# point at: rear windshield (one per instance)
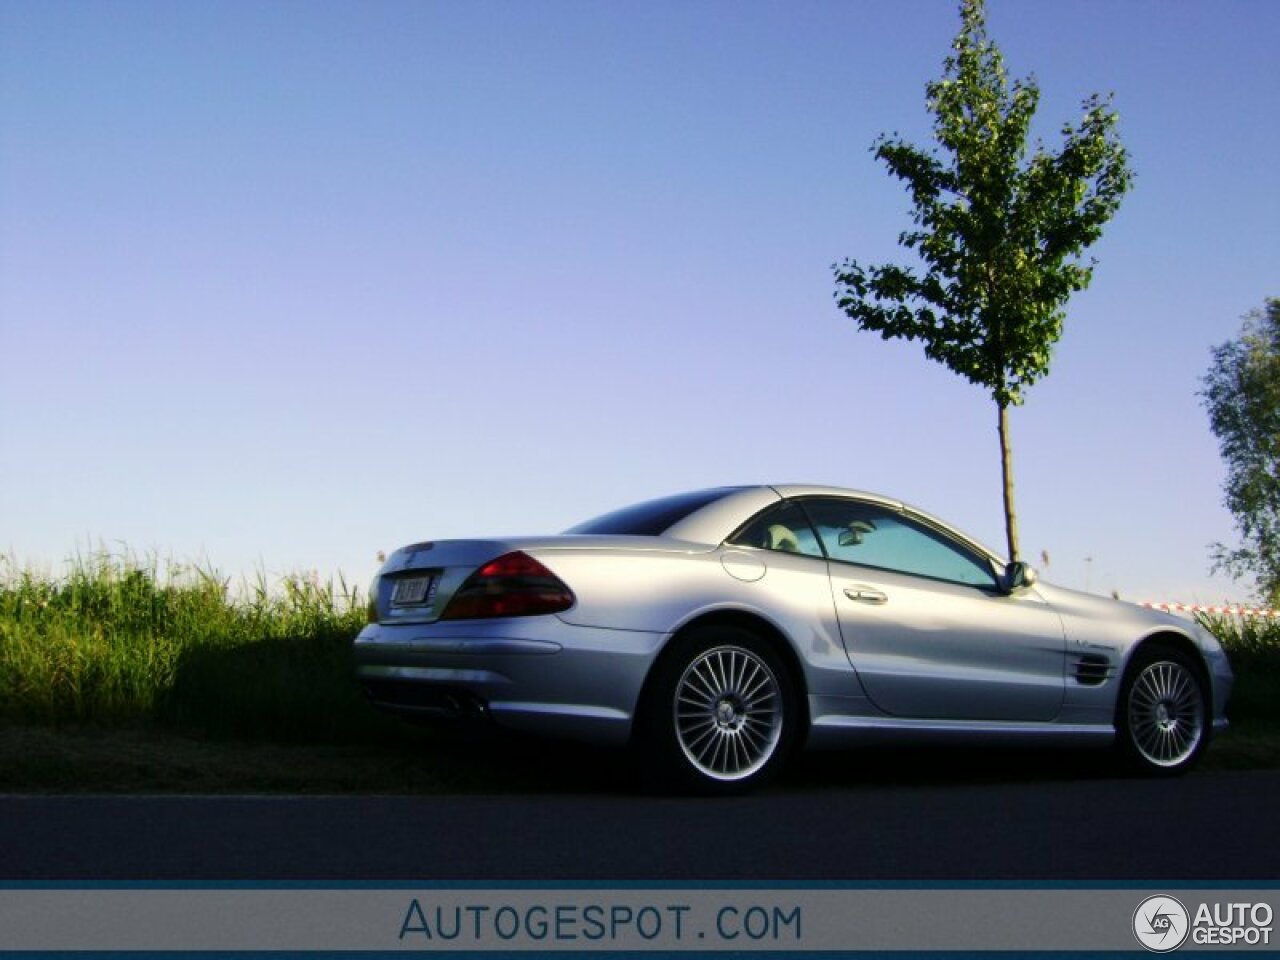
(653, 517)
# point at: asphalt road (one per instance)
(1207, 826)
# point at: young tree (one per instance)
(999, 230)
(1242, 394)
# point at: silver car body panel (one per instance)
(934, 650)
(932, 660)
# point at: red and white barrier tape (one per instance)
(1197, 608)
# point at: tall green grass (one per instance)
(1253, 646)
(118, 640)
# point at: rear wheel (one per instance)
(721, 714)
(1162, 717)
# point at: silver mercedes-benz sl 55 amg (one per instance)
(719, 630)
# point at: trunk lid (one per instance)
(417, 581)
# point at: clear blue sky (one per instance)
(283, 284)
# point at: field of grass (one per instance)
(1253, 646)
(123, 674)
(119, 641)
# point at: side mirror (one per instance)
(1019, 576)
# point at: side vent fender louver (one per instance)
(1091, 670)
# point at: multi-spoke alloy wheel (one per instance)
(1164, 713)
(728, 713)
(722, 712)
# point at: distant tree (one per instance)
(1242, 395)
(999, 233)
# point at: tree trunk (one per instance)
(1006, 471)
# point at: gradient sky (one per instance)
(283, 283)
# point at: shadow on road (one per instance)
(490, 760)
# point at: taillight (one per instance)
(514, 585)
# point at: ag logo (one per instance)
(1161, 924)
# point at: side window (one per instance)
(783, 527)
(874, 536)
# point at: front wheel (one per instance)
(1163, 713)
(721, 715)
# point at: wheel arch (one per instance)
(1173, 640)
(754, 623)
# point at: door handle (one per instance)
(866, 595)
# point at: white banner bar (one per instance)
(461, 920)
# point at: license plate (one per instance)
(414, 591)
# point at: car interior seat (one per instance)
(781, 538)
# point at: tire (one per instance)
(1162, 718)
(720, 715)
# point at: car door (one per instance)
(926, 624)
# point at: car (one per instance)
(718, 631)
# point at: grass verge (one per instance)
(119, 642)
(38, 759)
(150, 759)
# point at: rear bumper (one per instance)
(537, 674)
